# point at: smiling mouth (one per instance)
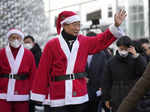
(76, 32)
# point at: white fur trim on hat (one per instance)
(71, 19)
(15, 31)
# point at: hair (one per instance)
(137, 46)
(90, 34)
(143, 41)
(29, 36)
(124, 41)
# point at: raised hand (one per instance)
(132, 50)
(119, 17)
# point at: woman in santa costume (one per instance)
(17, 67)
(61, 72)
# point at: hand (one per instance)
(107, 104)
(132, 50)
(87, 79)
(119, 17)
(100, 89)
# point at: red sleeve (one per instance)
(100, 41)
(41, 79)
(32, 70)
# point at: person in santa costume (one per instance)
(17, 67)
(61, 72)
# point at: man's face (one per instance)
(146, 47)
(15, 37)
(15, 40)
(72, 29)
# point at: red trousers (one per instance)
(6, 106)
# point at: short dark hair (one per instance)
(124, 41)
(137, 46)
(29, 36)
(143, 41)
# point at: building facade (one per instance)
(136, 24)
(26, 15)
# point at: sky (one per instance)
(55, 4)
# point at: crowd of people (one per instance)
(74, 73)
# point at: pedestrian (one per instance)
(95, 67)
(121, 73)
(29, 43)
(17, 68)
(61, 70)
(145, 45)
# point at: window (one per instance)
(110, 14)
(136, 19)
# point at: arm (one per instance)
(41, 79)
(106, 84)
(140, 65)
(138, 91)
(103, 40)
(32, 70)
(102, 66)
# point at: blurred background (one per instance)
(38, 17)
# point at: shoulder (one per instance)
(51, 42)
(2, 52)
(50, 45)
(101, 53)
(82, 37)
(112, 59)
(27, 52)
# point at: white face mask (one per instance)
(28, 46)
(123, 53)
(15, 43)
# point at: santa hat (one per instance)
(15, 31)
(67, 17)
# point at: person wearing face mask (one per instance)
(29, 43)
(121, 73)
(17, 68)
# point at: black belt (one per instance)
(15, 76)
(69, 77)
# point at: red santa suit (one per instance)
(57, 60)
(14, 93)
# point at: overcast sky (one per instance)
(55, 4)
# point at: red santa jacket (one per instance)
(22, 63)
(57, 60)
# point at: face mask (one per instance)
(15, 43)
(28, 46)
(123, 53)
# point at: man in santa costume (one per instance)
(17, 67)
(61, 72)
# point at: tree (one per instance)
(26, 15)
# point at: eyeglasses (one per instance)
(76, 24)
